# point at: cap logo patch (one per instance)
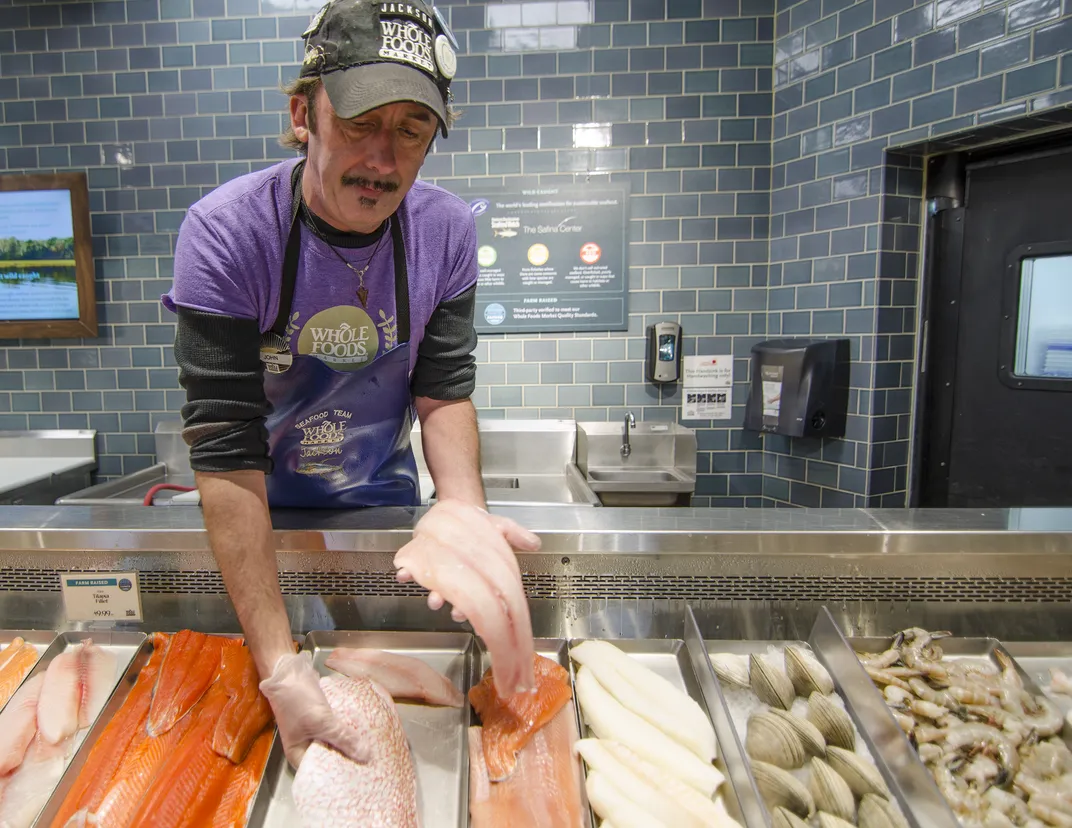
(405, 41)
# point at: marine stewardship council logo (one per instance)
(494, 314)
(479, 206)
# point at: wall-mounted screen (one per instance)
(46, 257)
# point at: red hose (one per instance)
(148, 500)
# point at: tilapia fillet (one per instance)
(404, 677)
(544, 789)
(331, 790)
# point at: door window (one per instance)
(1044, 318)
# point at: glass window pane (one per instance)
(1044, 325)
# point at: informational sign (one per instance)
(37, 267)
(771, 377)
(707, 387)
(551, 258)
(101, 596)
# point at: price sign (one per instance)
(101, 596)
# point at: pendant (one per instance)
(362, 295)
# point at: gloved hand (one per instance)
(465, 557)
(302, 712)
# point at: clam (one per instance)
(830, 791)
(773, 740)
(731, 668)
(807, 674)
(831, 721)
(862, 777)
(809, 735)
(780, 788)
(830, 821)
(876, 812)
(784, 818)
(769, 683)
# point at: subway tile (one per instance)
(1053, 40)
(956, 70)
(1028, 13)
(1031, 79)
(981, 29)
(934, 46)
(933, 108)
(1003, 56)
(979, 95)
(912, 84)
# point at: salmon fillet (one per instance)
(237, 800)
(331, 790)
(543, 792)
(190, 666)
(510, 723)
(247, 712)
(16, 661)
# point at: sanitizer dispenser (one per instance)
(799, 387)
(663, 358)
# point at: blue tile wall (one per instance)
(753, 134)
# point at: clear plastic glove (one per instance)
(465, 557)
(302, 712)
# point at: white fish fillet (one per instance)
(402, 676)
(97, 676)
(29, 787)
(331, 790)
(650, 696)
(610, 802)
(641, 790)
(608, 719)
(18, 724)
(61, 696)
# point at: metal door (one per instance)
(999, 429)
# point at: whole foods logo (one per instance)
(344, 338)
(408, 42)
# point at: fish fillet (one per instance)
(608, 719)
(237, 800)
(331, 790)
(401, 676)
(28, 788)
(544, 790)
(61, 697)
(247, 712)
(18, 724)
(190, 666)
(17, 661)
(510, 723)
(96, 674)
(611, 802)
(650, 696)
(123, 734)
(644, 791)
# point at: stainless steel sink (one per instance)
(655, 467)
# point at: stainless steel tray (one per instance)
(672, 659)
(437, 735)
(41, 639)
(1037, 658)
(127, 648)
(878, 737)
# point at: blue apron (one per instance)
(369, 460)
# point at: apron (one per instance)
(320, 460)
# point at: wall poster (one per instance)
(551, 258)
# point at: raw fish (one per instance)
(401, 676)
(649, 695)
(123, 734)
(509, 723)
(609, 800)
(237, 800)
(331, 790)
(27, 789)
(544, 790)
(608, 719)
(644, 791)
(18, 724)
(247, 712)
(61, 697)
(190, 666)
(96, 672)
(16, 661)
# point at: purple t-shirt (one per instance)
(229, 260)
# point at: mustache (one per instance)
(361, 181)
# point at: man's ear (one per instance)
(299, 117)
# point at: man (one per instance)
(320, 303)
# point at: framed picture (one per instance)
(46, 257)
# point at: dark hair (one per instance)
(309, 88)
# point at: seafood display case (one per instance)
(845, 594)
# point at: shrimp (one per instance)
(1051, 811)
(886, 678)
(895, 696)
(880, 661)
(1007, 804)
(1060, 682)
(968, 694)
(985, 739)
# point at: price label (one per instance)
(101, 596)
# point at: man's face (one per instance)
(358, 171)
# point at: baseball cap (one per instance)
(370, 53)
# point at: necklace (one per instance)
(362, 291)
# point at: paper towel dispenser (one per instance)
(799, 387)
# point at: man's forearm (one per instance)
(452, 448)
(235, 506)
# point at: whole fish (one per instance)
(332, 790)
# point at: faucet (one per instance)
(630, 422)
